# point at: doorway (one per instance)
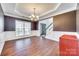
(43, 29)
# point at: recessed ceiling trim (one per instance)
(17, 16)
(15, 11)
(58, 13)
(21, 14)
(50, 10)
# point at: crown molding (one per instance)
(50, 10)
(17, 16)
(60, 12)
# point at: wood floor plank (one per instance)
(32, 46)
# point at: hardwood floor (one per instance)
(33, 46)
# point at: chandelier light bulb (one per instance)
(34, 17)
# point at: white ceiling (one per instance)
(63, 8)
(27, 8)
(24, 10)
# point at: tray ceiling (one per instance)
(43, 10)
(26, 9)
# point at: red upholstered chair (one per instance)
(68, 45)
(78, 48)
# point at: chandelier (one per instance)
(34, 17)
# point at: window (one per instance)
(23, 28)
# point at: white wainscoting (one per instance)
(11, 35)
(8, 35)
(35, 33)
(54, 35)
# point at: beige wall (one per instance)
(65, 22)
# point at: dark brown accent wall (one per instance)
(65, 22)
(9, 23)
(34, 25)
